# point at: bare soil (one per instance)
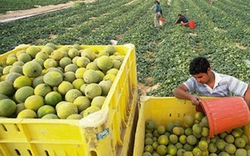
(37, 10)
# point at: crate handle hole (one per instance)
(47, 153)
(30, 152)
(17, 128)
(93, 153)
(17, 152)
(4, 128)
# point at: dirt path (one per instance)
(13, 15)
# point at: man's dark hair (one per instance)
(157, 2)
(198, 65)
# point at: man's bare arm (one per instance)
(182, 92)
(247, 95)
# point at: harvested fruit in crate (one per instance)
(190, 137)
(71, 81)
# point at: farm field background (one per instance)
(12, 5)
(222, 34)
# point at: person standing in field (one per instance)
(207, 82)
(160, 8)
(157, 14)
(182, 20)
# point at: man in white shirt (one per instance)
(206, 82)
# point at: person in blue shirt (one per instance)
(157, 14)
(160, 8)
(182, 20)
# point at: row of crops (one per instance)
(11, 5)
(222, 35)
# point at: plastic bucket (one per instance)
(162, 20)
(191, 24)
(225, 114)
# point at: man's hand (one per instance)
(195, 99)
(247, 95)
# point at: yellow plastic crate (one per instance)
(163, 110)
(104, 133)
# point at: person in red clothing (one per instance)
(182, 20)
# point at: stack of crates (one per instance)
(107, 132)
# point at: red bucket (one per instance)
(191, 24)
(225, 114)
(162, 20)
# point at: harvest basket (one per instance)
(104, 133)
(162, 21)
(163, 110)
(191, 24)
(225, 113)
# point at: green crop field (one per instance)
(12, 5)
(222, 34)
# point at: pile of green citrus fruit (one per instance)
(56, 82)
(190, 138)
